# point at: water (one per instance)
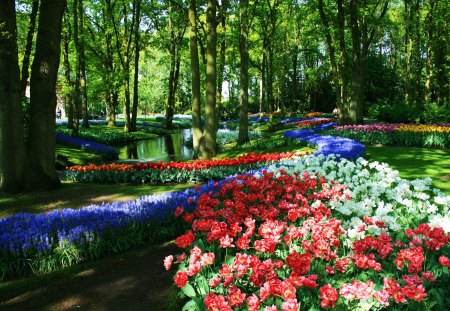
(164, 148)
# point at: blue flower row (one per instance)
(326, 145)
(26, 234)
(85, 144)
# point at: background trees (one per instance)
(386, 59)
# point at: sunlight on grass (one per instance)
(413, 163)
(75, 195)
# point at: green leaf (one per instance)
(191, 305)
(188, 290)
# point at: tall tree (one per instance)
(243, 89)
(211, 55)
(176, 34)
(12, 152)
(137, 21)
(77, 100)
(197, 131)
(82, 59)
(41, 170)
(29, 45)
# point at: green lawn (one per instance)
(413, 163)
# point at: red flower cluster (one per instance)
(274, 239)
(246, 159)
(314, 122)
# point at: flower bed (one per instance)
(281, 240)
(199, 170)
(85, 144)
(31, 243)
(397, 134)
(328, 145)
(312, 123)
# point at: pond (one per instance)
(165, 148)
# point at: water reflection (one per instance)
(164, 148)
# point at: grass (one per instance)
(76, 195)
(413, 163)
(78, 156)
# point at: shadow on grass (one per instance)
(135, 280)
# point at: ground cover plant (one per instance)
(334, 236)
(198, 170)
(420, 135)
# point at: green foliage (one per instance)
(395, 112)
(105, 135)
(398, 138)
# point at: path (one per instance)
(134, 281)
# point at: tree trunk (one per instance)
(83, 81)
(136, 66)
(409, 92)
(77, 86)
(41, 171)
(243, 89)
(429, 68)
(112, 108)
(221, 69)
(262, 85)
(342, 111)
(28, 47)
(197, 132)
(12, 150)
(173, 58)
(68, 71)
(343, 71)
(355, 96)
(210, 107)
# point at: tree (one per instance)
(41, 170)
(176, 34)
(243, 89)
(12, 151)
(197, 131)
(29, 44)
(350, 76)
(210, 106)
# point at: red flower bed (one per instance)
(271, 242)
(249, 158)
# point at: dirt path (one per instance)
(134, 281)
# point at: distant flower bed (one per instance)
(199, 170)
(291, 238)
(328, 145)
(397, 134)
(314, 122)
(85, 144)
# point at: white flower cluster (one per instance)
(376, 191)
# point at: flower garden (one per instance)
(266, 231)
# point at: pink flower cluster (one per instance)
(370, 128)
